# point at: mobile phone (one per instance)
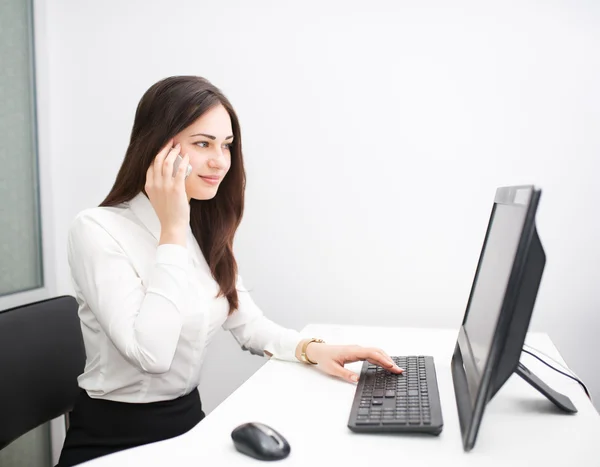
(176, 166)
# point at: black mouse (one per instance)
(260, 441)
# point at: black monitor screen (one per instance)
(492, 278)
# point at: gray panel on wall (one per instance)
(20, 251)
(20, 238)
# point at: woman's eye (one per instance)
(205, 144)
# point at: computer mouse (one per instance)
(260, 441)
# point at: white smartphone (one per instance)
(176, 166)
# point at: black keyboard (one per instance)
(406, 403)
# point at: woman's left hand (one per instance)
(332, 358)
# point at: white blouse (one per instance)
(148, 311)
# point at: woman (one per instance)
(155, 277)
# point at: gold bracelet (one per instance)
(303, 356)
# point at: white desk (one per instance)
(520, 426)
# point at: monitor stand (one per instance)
(560, 400)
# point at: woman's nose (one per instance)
(216, 159)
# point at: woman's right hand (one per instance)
(167, 194)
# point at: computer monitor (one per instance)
(499, 310)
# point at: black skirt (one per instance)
(100, 427)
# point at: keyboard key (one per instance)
(378, 393)
(363, 411)
(368, 422)
(394, 422)
(390, 393)
(377, 402)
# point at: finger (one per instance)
(377, 358)
(385, 355)
(167, 166)
(393, 369)
(149, 177)
(160, 157)
(159, 161)
(347, 375)
(182, 169)
(357, 353)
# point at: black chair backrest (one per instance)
(41, 356)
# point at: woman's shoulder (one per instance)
(112, 219)
(99, 214)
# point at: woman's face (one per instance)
(208, 143)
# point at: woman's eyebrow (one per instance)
(211, 136)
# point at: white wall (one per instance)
(375, 134)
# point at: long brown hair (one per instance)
(167, 108)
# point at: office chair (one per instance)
(41, 355)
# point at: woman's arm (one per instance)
(258, 334)
(143, 324)
(261, 336)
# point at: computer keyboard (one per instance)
(405, 403)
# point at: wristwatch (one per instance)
(303, 356)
